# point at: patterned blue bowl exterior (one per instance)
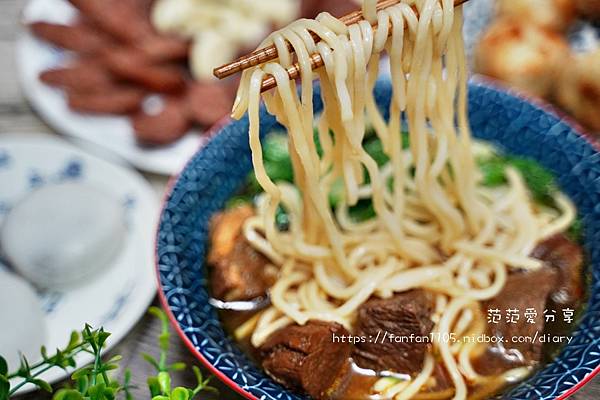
(218, 170)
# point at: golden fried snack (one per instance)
(79, 77)
(578, 89)
(525, 56)
(112, 100)
(557, 15)
(164, 127)
(208, 102)
(589, 9)
(80, 37)
(133, 66)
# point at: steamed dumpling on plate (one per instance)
(23, 329)
(59, 235)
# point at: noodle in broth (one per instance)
(435, 228)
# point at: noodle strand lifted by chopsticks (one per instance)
(434, 227)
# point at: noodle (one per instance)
(436, 227)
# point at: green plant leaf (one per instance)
(42, 384)
(102, 337)
(110, 367)
(74, 340)
(81, 372)
(82, 384)
(178, 366)
(151, 360)
(4, 387)
(68, 394)
(164, 380)
(3, 366)
(115, 359)
(153, 386)
(160, 397)
(180, 393)
(24, 369)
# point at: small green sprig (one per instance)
(30, 373)
(94, 382)
(160, 385)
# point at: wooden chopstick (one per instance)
(269, 53)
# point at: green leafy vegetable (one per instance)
(362, 211)
(575, 231)
(540, 182)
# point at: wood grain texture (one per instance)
(17, 116)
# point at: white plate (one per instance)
(118, 296)
(114, 133)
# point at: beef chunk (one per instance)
(566, 257)
(558, 284)
(402, 315)
(239, 271)
(523, 290)
(306, 358)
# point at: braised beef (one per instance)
(524, 290)
(238, 271)
(402, 315)
(566, 257)
(308, 359)
(557, 285)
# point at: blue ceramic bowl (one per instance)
(219, 169)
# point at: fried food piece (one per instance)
(133, 66)
(79, 77)
(556, 15)
(525, 56)
(111, 100)
(164, 127)
(589, 9)
(79, 37)
(122, 19)
(208, 102)
(578, 89)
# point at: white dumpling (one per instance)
(23, 327)
(60, 234)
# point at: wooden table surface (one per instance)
(16, 116)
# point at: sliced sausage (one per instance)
(79, 37)
(164, 127)
(111, 100)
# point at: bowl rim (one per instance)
(476, 79)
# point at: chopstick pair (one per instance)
(269, 53)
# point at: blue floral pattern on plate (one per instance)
(215, 172)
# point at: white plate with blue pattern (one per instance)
(118, 296)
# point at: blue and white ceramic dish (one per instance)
(214, 173)
(119, 294)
